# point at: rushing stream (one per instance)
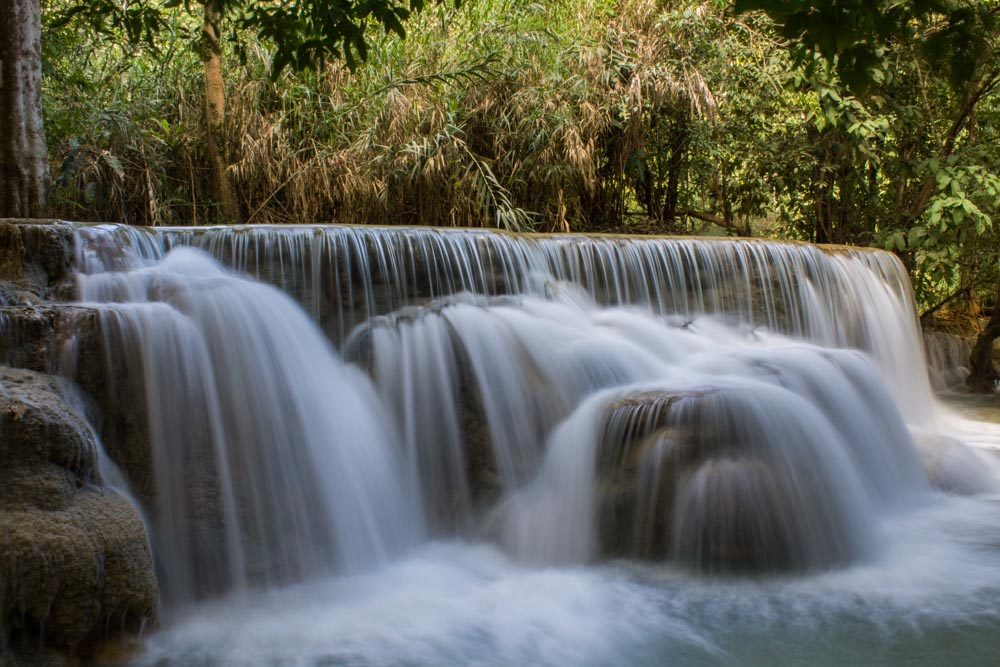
(390, 446)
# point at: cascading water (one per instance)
(270, 456)
(705, 407)
(947, 359)
(346, 275)
(814, 427)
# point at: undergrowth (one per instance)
(565, 115)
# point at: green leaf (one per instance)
(115, 164)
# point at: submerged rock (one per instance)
(956, 468)
(694, 478)
(75, 563)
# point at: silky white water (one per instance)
(545, 451)
(271, 458)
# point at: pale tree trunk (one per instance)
(24, 160)
(215, 109)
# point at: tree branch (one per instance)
(923, 197)
(945, 301)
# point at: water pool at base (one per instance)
(933, 600)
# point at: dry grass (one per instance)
(536, 125)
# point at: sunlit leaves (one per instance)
(943, 238)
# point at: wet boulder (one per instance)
(51, 338)
(956, 468)
(82, 343)
(697, 479)
(642, 454)
(729, 517)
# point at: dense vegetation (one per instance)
(861, 123)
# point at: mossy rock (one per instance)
(75, 564)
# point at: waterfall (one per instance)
(344, 276)
(947, 358)
(270, 456)
(828, 444)
(336, 394)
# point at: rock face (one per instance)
(48, 337)
(691, 478)
(72, 340)
(642, 455)
(75, 566)
(35, 260)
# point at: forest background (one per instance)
(860, 123)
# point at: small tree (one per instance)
(850, 51)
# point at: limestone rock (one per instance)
(75, 342)
(35, 259)
(51, 338)
(640, 457)
(75, 562)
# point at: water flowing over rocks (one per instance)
(271, 462)
(698, 478)
(298, 403)
(947, 358)
(956, 468)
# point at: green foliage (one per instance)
(307, 33)
(576, 115)
(136, 20)
(955, 235)
(898, 137)
(857, 37)
(302, 34)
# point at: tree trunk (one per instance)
(680, 138)
(24, 159)
(982, 374)
(215, 109)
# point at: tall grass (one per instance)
(563, 115)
